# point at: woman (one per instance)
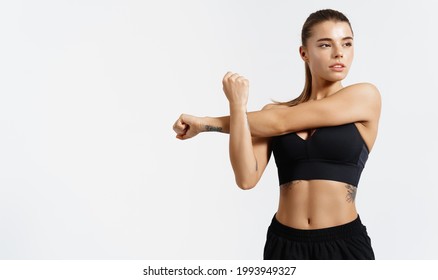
(320, 141)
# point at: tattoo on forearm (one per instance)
(213, 128)
(351, 193)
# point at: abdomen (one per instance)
(313, 204)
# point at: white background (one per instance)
(89, 90)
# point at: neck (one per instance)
(324, 88)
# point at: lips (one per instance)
(337, 65)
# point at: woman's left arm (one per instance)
(355, 103)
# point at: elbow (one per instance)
(279, 126)
(245, 187)
(245, 184)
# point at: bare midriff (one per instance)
(316, 204)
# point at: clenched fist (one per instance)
(236, 88)
(187, 126)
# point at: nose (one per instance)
(338, 52)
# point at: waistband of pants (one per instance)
(347, 230)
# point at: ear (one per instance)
(303, 53)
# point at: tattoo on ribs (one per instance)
(213, 128)
(351, 193)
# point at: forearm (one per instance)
(266, 123)
(263, 123)
(241, 150)
(216, 124)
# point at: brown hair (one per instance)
(306, 32)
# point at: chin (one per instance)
(337, 77)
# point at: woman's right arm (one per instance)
(188, 126)
(355, 103)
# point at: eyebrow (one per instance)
(330, 39)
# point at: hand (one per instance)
(236, 88)
(187, 126)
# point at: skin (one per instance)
(303, 204)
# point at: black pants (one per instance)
(345, 242)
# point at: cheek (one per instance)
(349, 54)
(320, 65)
(319, 60)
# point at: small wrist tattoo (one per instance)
(213, 128)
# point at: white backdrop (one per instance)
(89, 164)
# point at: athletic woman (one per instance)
(320, 141)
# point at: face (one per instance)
(331, 42)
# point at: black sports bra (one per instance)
(334, 153)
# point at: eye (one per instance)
(349, 44)
(324, 45)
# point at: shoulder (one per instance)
(364, 97)
(362, 94)
(363, 90)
